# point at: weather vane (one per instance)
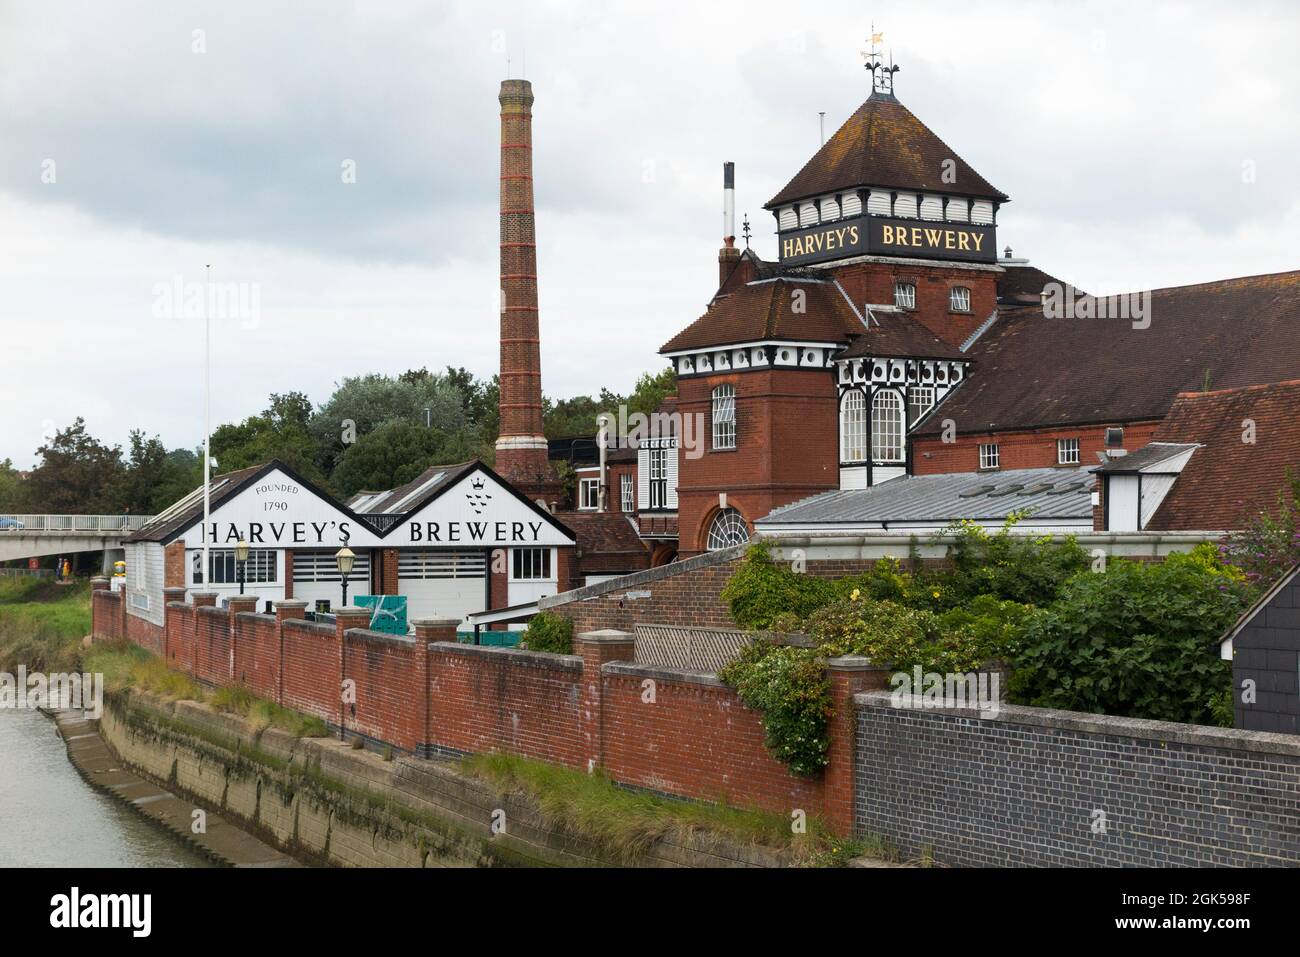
(882, 77)
(745, 230)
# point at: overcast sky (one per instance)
(1143, 145)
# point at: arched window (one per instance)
(724, 417)
(853, 427)
(887, 426)
(727, 529)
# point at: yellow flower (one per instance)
(935, 594)
(857, 592)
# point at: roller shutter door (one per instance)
(316, 576)
(442, 582)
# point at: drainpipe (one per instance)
(602, 440)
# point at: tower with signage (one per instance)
(809, 373)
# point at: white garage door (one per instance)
(442, 583)
(316, 576)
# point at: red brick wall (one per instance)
(695, 739)
(384, 671)
(213, 643)
(787, 447)
(494, 699)
(257, 654)
(310, 682)
(874, 283)
(1027, 449)
(174, 570)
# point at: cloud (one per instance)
(1141, 146)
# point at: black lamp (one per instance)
(241, 559)
(345, 559)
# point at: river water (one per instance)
(50, 817)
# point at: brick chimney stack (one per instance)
(521, 451)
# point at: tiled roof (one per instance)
(1040, 372)
(1148, 458)
(1230, 479)
(895, 334)
(1022, 284)
(1054, 493)
(606, 539)
(884, 144)
(766, 309)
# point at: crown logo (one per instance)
(478, 483)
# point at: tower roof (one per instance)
(884, 144)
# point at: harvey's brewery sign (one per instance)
(282, 513)
(884, 236)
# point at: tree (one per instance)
(77, 474)
(396, 453)
(651, 389)
(362, 404)
(13, 489)
(280, 432)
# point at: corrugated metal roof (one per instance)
(1048, 492)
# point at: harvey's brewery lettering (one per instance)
(888, 237)
(282, 533)
(433, 532)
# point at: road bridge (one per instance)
(35, 536)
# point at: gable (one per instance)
(478, 510)
(278, 510)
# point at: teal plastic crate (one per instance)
(499, 639)
(387, 612)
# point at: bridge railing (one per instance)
(74, 523)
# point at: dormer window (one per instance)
(959, 299)
(905, 295)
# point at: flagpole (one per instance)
(207, 419)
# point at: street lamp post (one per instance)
(241, 559)
(345, 558)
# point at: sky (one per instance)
(337, 164)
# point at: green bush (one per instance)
(790, 688)
(549, 632)
(1139, 640)
(1029, 571)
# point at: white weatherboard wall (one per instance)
(477, 512)
(144, 582)
(278, 512)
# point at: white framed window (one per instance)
(530, 564)
(627, 496)
(989, 457)
(853, 426)
(727, 529)
(905, 295)
(920, 400)
(959, 299)
(658, 477)
(1067, 451)
(724, 416)
(588, 494)
(887, 427)
(258, 570)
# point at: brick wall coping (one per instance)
(658, 673)
(643, 577)
(855, 663)
(365, 634)
(213, 610)
(289, 603)
(512, 656)
(255, 616)
(434, 622)
(179, 604)
(301, 624)
(1264, 742)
